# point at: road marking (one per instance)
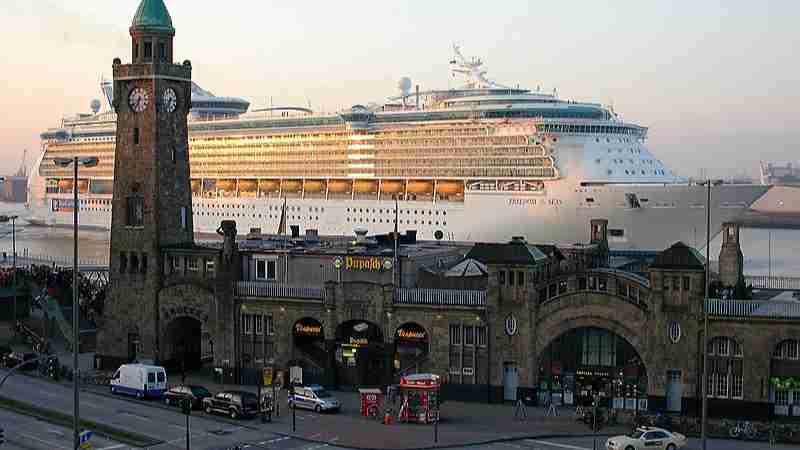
(314, 435)
(52, 445)
(511, 445)
(113, 446)
(314, 447)
(554, 444)
(136, 416)
(272, 441)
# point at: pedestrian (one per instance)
(772, 432)
(521, 411)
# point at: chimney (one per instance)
(417, 96)
(361, 235)
(731, 259)
(295, 231)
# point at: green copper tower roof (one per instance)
(152, 15)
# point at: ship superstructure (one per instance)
(481, 162)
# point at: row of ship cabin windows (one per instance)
(391, 221)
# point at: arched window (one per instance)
(784, 371)
(725, 379)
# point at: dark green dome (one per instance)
(152, 15)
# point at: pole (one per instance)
(187, 430)
(704, 348)
(75, 323)
(294, 412)
(14, 266)
(769, 263)
(594, 425)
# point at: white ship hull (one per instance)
(670, 213)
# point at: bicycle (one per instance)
(742, 430)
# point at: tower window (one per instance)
(143, 263)
(173, 155)
(135, 136)
(123, 262)
(135, 208)
(148, 50)
(162, 51)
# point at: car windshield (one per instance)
(200, 391)
(635, 434)
(322, 393)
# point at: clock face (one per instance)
(138, 99)
(169, 100)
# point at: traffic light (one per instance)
(186, 406)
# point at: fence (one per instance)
(274, 290)
(441, 297)
(25, 259)
(785, 310)
(772, 282)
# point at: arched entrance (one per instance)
(310, 354)
(411, 348)
(361, 358)
(184, 343)
(590, 362)
(784, 389)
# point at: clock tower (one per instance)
(152, 205)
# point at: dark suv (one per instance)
(194, 393)
(233, 403)
(14, 359)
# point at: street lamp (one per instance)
(13, 220)
(704, 386)
(89, 161)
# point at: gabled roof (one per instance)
(511, 253)
(152, 15)
(679, 257)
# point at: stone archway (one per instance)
(411, 347)
(184, 343)
(585, 363)
(361, 356)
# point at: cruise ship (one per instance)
(481, 162)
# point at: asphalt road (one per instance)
(586, 444)
(26, 433)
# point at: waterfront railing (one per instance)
(772, 282)
(757, 309)
(440, 297)
(263, 289)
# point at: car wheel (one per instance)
(208, 409)
(139, 395)
(317, 409)
(234, 415)
(113, 390)
(167, 401)
(671, 447)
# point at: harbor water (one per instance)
(775, 252)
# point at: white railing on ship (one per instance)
(772, 282)
(771, 309)
(275, 290)
(440, 297)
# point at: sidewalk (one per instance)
(461, 423)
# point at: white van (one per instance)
(140, 380)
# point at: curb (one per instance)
(59, 418)
(446, 446)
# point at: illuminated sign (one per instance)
(364, 263)
(359, 342)
(411, 333)
(308, 330)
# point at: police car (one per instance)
(649, 438)
(313, 397)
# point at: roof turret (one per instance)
(152, 15)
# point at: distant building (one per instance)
(14, 189)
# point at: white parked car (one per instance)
(647, 438)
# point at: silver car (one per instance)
(313, 397)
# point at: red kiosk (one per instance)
(419, 396)
(371, 401)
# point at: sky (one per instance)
(716, 81)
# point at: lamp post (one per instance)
(90, 161)
(704, 387)
(13, 220)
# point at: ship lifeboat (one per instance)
(65, 185)
(450, 187)
(291, 185)
(338, 186)
(226, 185)
(420, 187)
(196, 185)
(365, 186)
(269, 185)
(315, 186)
(392, 186)
(83, 186)
(248, 185)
